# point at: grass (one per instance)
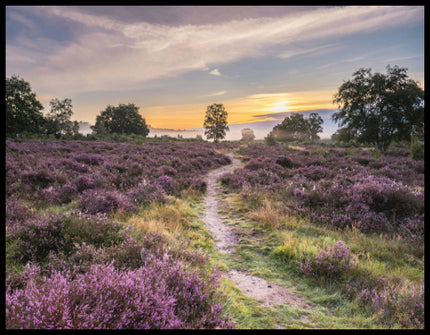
(271, 244)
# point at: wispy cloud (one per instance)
(23, 20)
(300, 51)
(109, 54)
(396, 59)
(281, 116)
(215, 94)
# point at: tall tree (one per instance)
(216, 122)
(379, 108)
(58, 119)
(23, 110)
(315, 121)
(124, 119)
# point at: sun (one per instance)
(280, 106)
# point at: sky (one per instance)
(262, 63)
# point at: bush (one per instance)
(284, 162)
(146, 192)
(37, 237)
(393, 305)
(270, 140)
(160, 295)
(332, 265)
(17, 212)
(168, 184)
(83, 183)
(417, 149)
(107, 202)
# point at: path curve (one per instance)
(226, 241)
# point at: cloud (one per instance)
(21, 19)
(215, 94)
(108, 54)
(281, 116)
(215, 72)
(319, 50)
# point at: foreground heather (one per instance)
(72, 265)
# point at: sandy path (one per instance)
(225, 239)
(223, 236)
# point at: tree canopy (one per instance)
(216, 122)
(124, 119)
(379, 108)
(297, 128)
(23, 110)
(58, 122)
(248, 135)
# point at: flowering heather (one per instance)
(168, 184)
(88, 270)
(38, 236)
(390, 303)
(333, 264)
(146, 192)
(57, 172)
(108, 202)
(333, 186)
(160, 295)
(17, 211)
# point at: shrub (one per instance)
(333, 264)
(17, 211)
(270, 140)
(394, 306)
(160, 295)
(417, 149)
(89, 159)
(108, 202)
(37, 237)
(145, 192)
(83, 183)
(198, 184)
(284, 162)
(168, 184)
(41, 178)
(166, 170)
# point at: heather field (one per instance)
(109, 235)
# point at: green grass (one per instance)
(271, 244)
(272, 252)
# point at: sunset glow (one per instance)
(260, 62)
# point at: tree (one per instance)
(216, 122)
(341, 135)
(23, 110)
(379, 108)
(58, 120)
(248, 135)
(297, 128)
(124, 119)
(315, 121)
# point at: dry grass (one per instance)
(268, 214)
(162, 218)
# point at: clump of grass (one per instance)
(293, 247)
(169, 218)
(267, 214)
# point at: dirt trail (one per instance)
(225, 239)
(223, 236)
